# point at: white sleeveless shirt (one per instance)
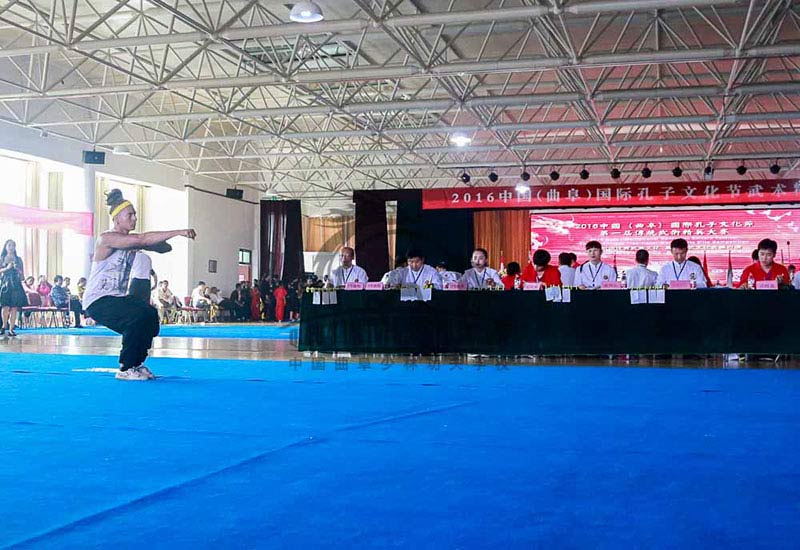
(109, 277)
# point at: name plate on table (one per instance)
(680, 285)
(766, 285)
(377, 285)
(532, 286)
(455, 286)
(354, 286)
(611, 285)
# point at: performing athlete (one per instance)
(106, 298)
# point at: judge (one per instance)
(679, 269)
(766, 269)
(447, 276)
(481, 276)
(348, 272)
(539, 270)
(590, 275)
(417, 273)
(640, 276)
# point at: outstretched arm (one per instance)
(141, 240)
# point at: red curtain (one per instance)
(506, 232)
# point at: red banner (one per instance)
(617, 195)
(713, 232)
(81, 223)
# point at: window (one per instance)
(245, 256)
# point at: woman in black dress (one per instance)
(12, 295)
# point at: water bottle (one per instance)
(517, 282)
(624, 280)
(751, 281)
(692, 281)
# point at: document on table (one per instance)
(332, 299)
(326, 300)
(566, 295)
(656, 296)
(638, 296)
(552, 294)
(316, 298)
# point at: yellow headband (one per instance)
(119, 208)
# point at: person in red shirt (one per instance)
(766, 269)
(539, 270)
(512, 271)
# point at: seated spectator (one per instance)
(166, 302)
(512, 278)
(239, 310)
(81, 287)
(61, 299)
(539, 270)
(29, 284)
(766, 269)
(199, 299)
(44, 289)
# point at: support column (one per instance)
(89, 191)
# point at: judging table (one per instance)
(523, 322)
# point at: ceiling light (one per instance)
(615, 173)
(554, 175)
(121, 150)
(306, 12)
(523, 189)
(460, 140)
(677, 172)
(525, 176)
(493, 177)
(584, 174)
(775, 168)
(741, 169)
(708, 173)
(646, 172)
(465, 177)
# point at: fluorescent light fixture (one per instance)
(121, 150)
(306, 12)
(460, 140)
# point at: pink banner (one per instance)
(678, 193)
(81, 223)
(714, 232)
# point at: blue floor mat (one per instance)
(262, 332)
(246, 454)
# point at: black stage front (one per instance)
(523, 322)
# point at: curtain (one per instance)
(328, 234)
(371, 233)
(32, 235)
(281, 239)
(506, 232)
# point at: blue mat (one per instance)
(242, 454)
(264, 332)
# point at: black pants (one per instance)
(135, 320)
(76, 308)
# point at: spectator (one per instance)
(280, 302)
(81, 287)
(44, 289)
(62, 300)
(166, 302)
(29, 284)
(12, 295)
(199, 296)
(293, 300)
(255, 302)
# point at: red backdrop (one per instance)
(714, 232)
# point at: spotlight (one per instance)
(615, 173)
(522, 189)
(460, 140)
(775, 169)
(554, 175)
(465, 177)
(525, 176)
(584, 174)
(741, 169)
(646, 172)
(677, 172)
(708, 173)
(306, 12)
(493, 177)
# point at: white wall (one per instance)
(166, 209)
(223, 226)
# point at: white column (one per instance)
(89, 189)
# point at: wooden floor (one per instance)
(286, 350)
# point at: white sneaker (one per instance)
(135, 373)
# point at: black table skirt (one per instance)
(518, 322)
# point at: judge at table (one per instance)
(590, 276)
(348, 272)
(481, 276)
(417, 273)
(766, 268)
(679, 269)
